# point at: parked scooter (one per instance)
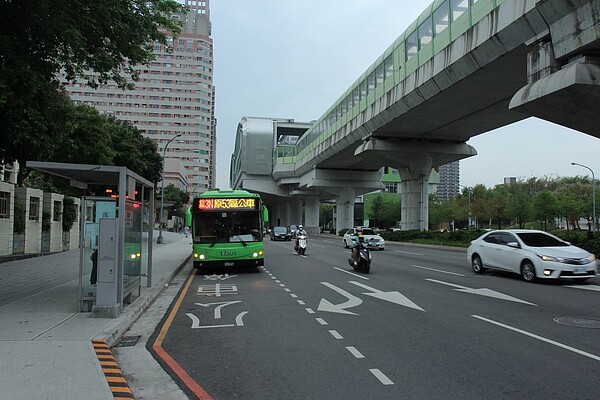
(301, 242)
(363, 264)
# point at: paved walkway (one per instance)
(46, 349)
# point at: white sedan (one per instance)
(532, 254)
(370, 238)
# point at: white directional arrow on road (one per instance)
(483, 292)
(393, 297)
(353, 301)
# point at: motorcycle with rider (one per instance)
(301, 240)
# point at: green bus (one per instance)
(227, 229)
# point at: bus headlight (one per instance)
(132, 256)
(201, 256)
(254, 255)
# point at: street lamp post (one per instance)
(594, 222)
(160, 239)
(469, 205)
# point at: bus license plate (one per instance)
(229, 263)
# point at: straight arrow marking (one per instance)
(393, 297)
(483, 292)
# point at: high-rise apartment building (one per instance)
(174, 96)
(449, 186)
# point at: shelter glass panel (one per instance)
(133, 246)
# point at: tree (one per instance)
(326, 214)
(178, 197)
(376, 209)
(518, 207)
(69, 213)
(41, 38)
(545, 206)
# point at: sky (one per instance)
(294, 59)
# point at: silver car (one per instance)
(532, 254)
(370, 238)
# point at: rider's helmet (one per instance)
(300, 228)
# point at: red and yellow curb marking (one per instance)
(114, 376)
(187, 380)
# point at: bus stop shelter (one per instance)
(116, 233)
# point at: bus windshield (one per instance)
(226, 227)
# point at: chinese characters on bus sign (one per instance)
(225, 204)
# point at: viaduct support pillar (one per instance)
(414, 193)
(311, 215)
(344, 205)
(295, 211)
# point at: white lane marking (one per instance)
(335, 334)
(310, 310)
(408, 252)
(354, 352)
(352, 273)
(287, 290)
(594, 288)
(238, 319)
(438, 270)
(282, 285)
(353, 301)
(381, 376)
(295, 296)
(543, 339)
(272, 277)
(483, 292)
(219, 306)
(277, 281)
(321, 321)
(393, 297)
(301, 302)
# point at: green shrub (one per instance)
(19, 226)
(69, 213)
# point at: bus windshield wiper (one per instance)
(241, 240)
(214, 242)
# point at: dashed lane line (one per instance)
(381, 376)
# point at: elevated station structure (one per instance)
(463, 68)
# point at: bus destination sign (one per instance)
(226, 204)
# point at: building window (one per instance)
(34, 208)
(57, 210)
(4, 204)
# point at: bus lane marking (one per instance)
(217, 289)
(219, 306)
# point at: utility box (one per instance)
(107, 305)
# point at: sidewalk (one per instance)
(45, 342)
